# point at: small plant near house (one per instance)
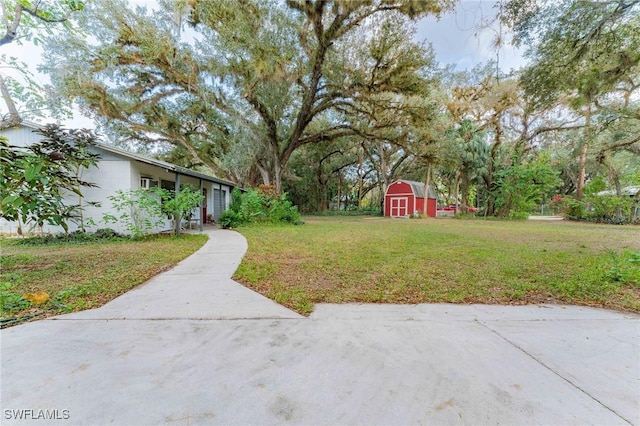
(179, 206)
(76, 237)
(142, 212)
(230, 219)
(37, 178)
(262, 205)
(139, 211)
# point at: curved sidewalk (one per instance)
(192, 347)
(199, 287)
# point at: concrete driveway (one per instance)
(193, 347)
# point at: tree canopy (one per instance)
(333, 100)
(29, 21)
(272, 77)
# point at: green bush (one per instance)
(282, 210)
(106, 233)
(139, 211)
(78, 236)
(236, 200)
(259, 206)
(253, 207)
(600, 209)
(230, 219)
(574, 209)
(609, 209)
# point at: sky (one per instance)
(464, 39)
(459, 38)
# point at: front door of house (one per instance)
(399, 206)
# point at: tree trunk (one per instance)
(13, 117)
(426, 189)
(264, 174)
(491, 198)
(583, 154)
(277, 175)
(455, 209)
(582, 173)
(360, 179)
(339, 190)
(464, 193)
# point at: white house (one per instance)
(118, 169)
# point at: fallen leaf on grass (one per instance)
(38, 298)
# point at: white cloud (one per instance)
(465, 37)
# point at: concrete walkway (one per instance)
(192, 347)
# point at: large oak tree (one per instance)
(210, 75)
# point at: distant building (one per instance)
(407, 198)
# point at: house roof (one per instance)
(148, 160)
(168, 166)
(418, 189)
(630, 191)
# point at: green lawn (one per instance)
(80, 276)
(380, 260)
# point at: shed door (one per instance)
(399, 206)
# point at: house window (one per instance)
(148, 183)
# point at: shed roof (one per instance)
(418, 189)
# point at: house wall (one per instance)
(115, 172)
(111, 175)
(21, 136)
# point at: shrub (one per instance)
(106, 233)
(574, 209)
(36, 177)
(600, 209)
(179, 206)
(253, 206)
(230, 219)
(236, 200)
(139, 211)
(261, 205)
(74, 237)
(609, 209)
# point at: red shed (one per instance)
(405, 198)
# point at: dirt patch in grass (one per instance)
(379, 260)
(83, 276)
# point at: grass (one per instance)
(379, 260)
(82, 276)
